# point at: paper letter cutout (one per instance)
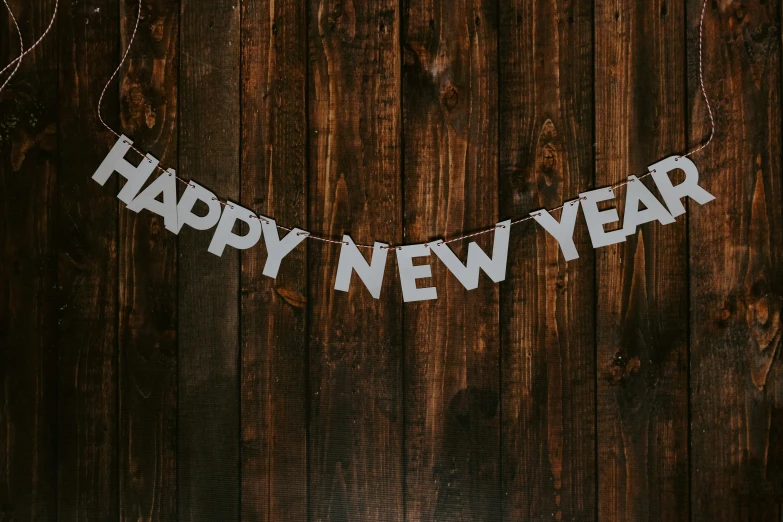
(596, 219)
(690, 187)
(468, 274)
(115, 162)
(636, 193)
(224, 235)
(185, 214)
(563, 232)
(410, 273)
(352, 260)
(276, 250)
(164, 185)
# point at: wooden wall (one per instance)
(142, 378)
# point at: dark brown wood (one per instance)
(28, 273)
(147, 275)
(452, 346)
(736, 251)
(354, 187)
(142, 378)
(209, 300)
(86, 236)
(547, 312)
(642, 283)
(274, 344)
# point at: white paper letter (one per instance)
(690, 187)
(352, 260)
(636, 193)
(468, 274)
(276, 250)
(116, 162)
(410, 273)
(185, 215)
(596, 219)
(563, 232)
(164, 185)
(224, 234)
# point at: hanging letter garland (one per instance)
(175, 214)
(641, 206)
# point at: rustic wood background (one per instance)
(145, 379)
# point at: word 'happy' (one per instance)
(175, 214)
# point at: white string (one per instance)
(464, 236)
(701, 82)
(48, 28)
(21, 47)
(124, 57)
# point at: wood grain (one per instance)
(452, 346)
(86, 236)
(142, 378)
(547, 311)
(354, 188)
(642, 299)
(28, 273)
(209, 300)
(274, 342)
(736, 248)
(147, 275)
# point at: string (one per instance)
(21, 46)
(439, 242)
(701, 83)
(40, 39)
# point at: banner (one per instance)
(160, 197)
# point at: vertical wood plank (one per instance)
(208, 313)
(28, 273)
(547, 310)
(641, 283)
(355, 340)
(274, 344)
(88, 40)
(147, 275)
(450, 112)
(736, 248)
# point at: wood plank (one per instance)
(88, 41)
(452, 346)
(355, 341)
(28, 273)
(736, 255)
(208, 310)
(642, 283)
(147, 275)
(274, 341)
(547, 309)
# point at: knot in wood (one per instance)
(548, 164)
(763, 318)
(549, 157)
(762, 311)
(157, 29)
(449, 97)
(621, 368)
(337, 10)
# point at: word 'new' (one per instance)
(175, 214)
